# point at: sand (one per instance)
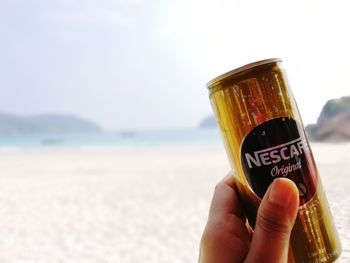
(127, 205)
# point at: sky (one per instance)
(144, 64)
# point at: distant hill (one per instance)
(44, 124)
(208, 122)
(333, 124)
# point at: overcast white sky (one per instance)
(144, 64)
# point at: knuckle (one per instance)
(218, 186)
(273, 223)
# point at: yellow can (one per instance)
(265, 138)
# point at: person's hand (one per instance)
(227, 238)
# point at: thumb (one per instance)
(275, 220)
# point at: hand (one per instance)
(227, 237)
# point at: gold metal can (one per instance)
(265, 139)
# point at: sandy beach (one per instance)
(127, 205)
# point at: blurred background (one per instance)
(109, 151)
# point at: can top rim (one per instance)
(214, 81)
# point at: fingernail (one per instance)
(281, 192)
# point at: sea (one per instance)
(125, 139)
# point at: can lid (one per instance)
(236, 71)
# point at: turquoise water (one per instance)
(184, 137)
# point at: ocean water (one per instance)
(130, 139)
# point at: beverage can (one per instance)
(265, 139)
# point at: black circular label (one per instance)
(279, 148)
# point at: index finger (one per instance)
(225, 200)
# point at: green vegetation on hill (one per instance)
(333, 124)
(336, 106)
(44, 124)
